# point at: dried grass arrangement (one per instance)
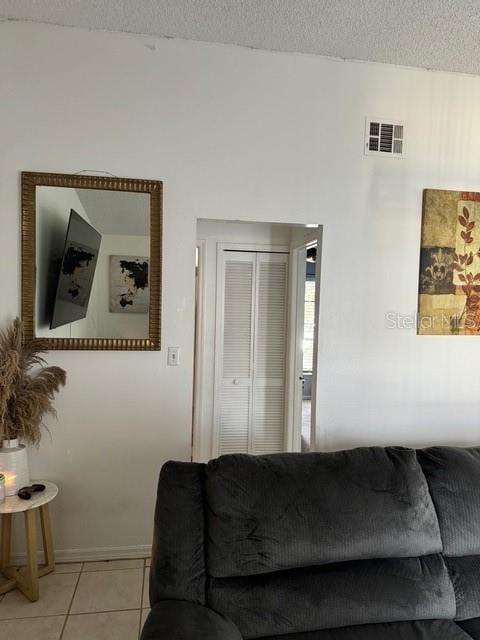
(27, 386)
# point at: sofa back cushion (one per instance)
(270, 513)
(335, 595)
(453, 475)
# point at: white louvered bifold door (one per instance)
(250, 352)
(234, 351)
(268, 415)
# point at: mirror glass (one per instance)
(92, 259)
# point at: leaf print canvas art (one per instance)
(449, 282)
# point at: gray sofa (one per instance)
(368, 544)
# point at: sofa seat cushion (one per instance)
(472, 627)
(426, 630)
(268, 513)
(465, 575)
(335, 595)
(179, 620)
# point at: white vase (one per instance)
(14, 466)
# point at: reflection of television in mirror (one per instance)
(75, 279)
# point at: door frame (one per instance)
(315, 427)
(298, 257)
(199, 348)
(203, 428)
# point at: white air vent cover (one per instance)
(384, 137)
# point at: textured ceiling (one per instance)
(436, 34)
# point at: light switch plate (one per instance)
(173, 356)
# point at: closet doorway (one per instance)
(248, 343)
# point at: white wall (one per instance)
(250, 135)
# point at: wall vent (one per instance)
(384, 137)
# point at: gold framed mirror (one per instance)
(91, 261)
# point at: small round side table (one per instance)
(26, 578)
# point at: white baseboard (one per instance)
(92, 554)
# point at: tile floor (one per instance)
(81, 601)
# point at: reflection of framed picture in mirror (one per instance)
(129, 289)
(91, 261)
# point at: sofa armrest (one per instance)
(180, 620)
